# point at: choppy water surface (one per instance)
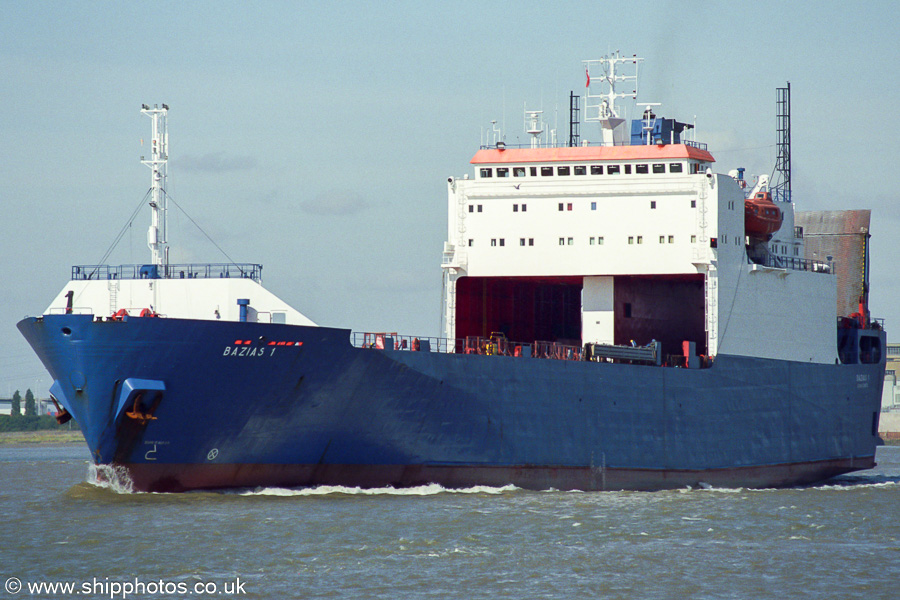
(840, 540)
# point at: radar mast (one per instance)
(600, 94)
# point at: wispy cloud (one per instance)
(334, 202)
(216, 162)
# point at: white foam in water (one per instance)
(110, 478)
(422, 490)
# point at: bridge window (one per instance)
(487, 172)
(675, 167)
(596, 169)
(518, 171)
(562, 170)
(580, 170)
(546, 171)
(641, 169)
(612, 170)
(659, 168)
(502, 172)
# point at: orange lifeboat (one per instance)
(761, 217)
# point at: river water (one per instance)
(837, 540)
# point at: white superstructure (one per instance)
(638, 243)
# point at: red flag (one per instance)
(588, 75)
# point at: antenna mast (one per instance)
(601, 106)
(159, 157)
(781, 192)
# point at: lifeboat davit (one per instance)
(761, 217)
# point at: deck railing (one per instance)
(500, 346)
(182, 271)
(799, 264)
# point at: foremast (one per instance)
(157, 239)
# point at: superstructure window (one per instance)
(560, 206)
(675, 167)
(502, 242)
(653, 204)
(471, 208)
(531, 241)
(546, 171)
(471, 242)
(521, 241)
(593, 206)
(515, 208)
(493, 241)
(596, 169)
(569, 206)
(562, 241)
(641, 169)
(518, 171)
(524, 207)
(693, 239)
(662, 239)
(562, 170)
(502, 172)
(571, 241)
(580, 170)
(659, 168)
(640, 239)
(612, 169)
(479, 208)
(631, 239)
(693, 204)
(671, 239)
(487, 172)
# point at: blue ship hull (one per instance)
(191, 404)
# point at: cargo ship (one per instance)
(616, 315)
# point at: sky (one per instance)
(316, 138)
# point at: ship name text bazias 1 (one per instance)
(244, 348)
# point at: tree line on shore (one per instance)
(29, 420)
